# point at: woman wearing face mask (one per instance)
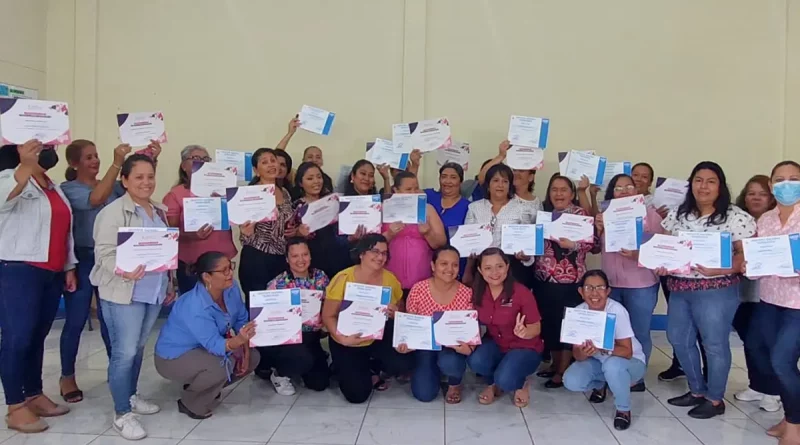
(636, 288)
(412, 245)
(704, 300)
(132, 300)
(37, 263)
(264, 243)
(524, 180)
(557, 274)
(205, 344)
(755, 199)
(206, 239)
(773, 340)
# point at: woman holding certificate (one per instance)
(448, 202)
(511, 349)
(264, 243)
(37, 263)
(193, 244)
(362, 179)
(773, 340)
(352, 355)
(131, 300)
(205, 344)
(557, 274)
(705, 299)
(312, 153)
(524, 179)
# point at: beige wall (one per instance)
(22, 43)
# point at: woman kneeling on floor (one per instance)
(205, 344)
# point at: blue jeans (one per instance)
(129, 326)
(640, 304)
(618, 372)
(774, 343)
(431, 365)
(77, 306)
(29, 298)
(709, 312)
(507, 370)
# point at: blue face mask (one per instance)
(787, 193)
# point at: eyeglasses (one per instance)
(226, 271)
(383, 253)
(199, 158)
(627, 188)
(590, 288)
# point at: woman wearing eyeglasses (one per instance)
(193, 244)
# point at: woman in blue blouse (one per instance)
(448, 202)
(205, 344)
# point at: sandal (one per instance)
(72, 396)
(522, 397)
(56, 411)
(36, 426)
(379, 384)
(453, 395)
(488, 395)
(599, 395)
(546, 374)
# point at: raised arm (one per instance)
(502, 150)
(293, 124)
(105, 187)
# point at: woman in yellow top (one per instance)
(353, 355)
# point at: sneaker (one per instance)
(748, 395)
(770, 404)
(673, 373)
(129, 427)
(142, 406)
(283, 385)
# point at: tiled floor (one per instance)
(252, 413)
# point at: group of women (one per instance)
(56, 239)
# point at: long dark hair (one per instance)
(302, 169)
(613, 183)
(367, 243)
(502, 170)
(547, 205)
(761, 180)
(721, 204)
(479, 284)
(9, 157)
(254, 162)
(207, 263)
(73, 152)
(350, 188)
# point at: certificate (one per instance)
(427, 135)
(669, 252)
(563, 160)
(311, 302)
(710, 249)
(772, 255)
(580, 325)
(582, 164)
(614, 169)
(457, 152)
(278, 317)
(414, 331)
(364, 210)
(381, 152)
(154, 247)
(470, 239)
(138, 129)
(320, 213)
(254, 203)
(544, 218)
(525, 238)
(407, 208)
(211, 179)
(575, 228)
(452, 327)
(363, 310)
(198, 212)
(623, 221)
(528, 131)
(24, 119)
(670, 192)
(316, 120)
(525, 158)
(239, 162)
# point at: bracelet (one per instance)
(118, 167)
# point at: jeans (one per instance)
(774, 343)
(675, 362)
(431, 366)
(186, 280)
(129, 326)
(77, 306)
(29, 298)
(507, 370)
(640, 304)
(709, 313)
(618, 372)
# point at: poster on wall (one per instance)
(17, 92)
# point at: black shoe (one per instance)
(546, 374)
(184, 410)
(599, 395)
(639, 387)
(673, 373)
(686, 400)
(550, 384)
(263, 374)
(622, 420)
(707, 410)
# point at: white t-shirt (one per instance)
(622, 330)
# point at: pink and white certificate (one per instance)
(278, 317)
(24, 119)
(452, 327)
(138, 129)
(154, 247)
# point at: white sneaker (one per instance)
(129, 427)
(283, 385)
(770, 404)
(748, 395)
(142, 406)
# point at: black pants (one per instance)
(552, 299)
(675, 362)
(354, 364)
(741, 323)
(256, 269)
(306, 360)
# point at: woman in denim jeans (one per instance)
(132, 300)
(704, 299)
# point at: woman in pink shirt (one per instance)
(773, 340)
(193, 244)
(412, 245)
(633, 286)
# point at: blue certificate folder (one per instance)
(726, 250)
(794, 244)
(611, 326)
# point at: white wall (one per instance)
(22, 43)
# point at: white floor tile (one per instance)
(256, 391)
(167, 424)
(653, 431)
(92, 416)
(321, 425)
(399, 396)
(469, 402)
(568, 429)
(387, 426)
(216, 442)
(5, 434)
(244, 422)
(48, 438)
(643, 404)
(472, 428)
(109, 440)
(557, 401)
(729, 431)
(331, 397)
